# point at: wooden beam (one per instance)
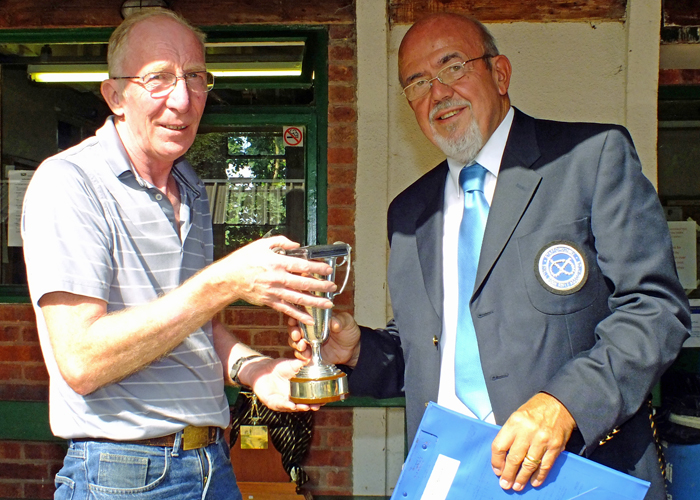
(681, 13)
(33, 14)
(408, 11)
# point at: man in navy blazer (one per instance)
(568, 363)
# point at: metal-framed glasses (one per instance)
(161, 83)
(447, 76)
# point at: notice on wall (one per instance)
(694, 340)
(17, 180)
(684, 238)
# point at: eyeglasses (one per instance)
(161, 83)
(446, 76)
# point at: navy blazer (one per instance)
(600, 348)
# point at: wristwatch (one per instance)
(237, 367)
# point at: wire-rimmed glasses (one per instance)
(161, 83)
(446, 76)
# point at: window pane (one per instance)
(255, 183)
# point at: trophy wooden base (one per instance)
(319, 390)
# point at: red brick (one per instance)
(244, 336)
(341, 233)
(17, 312)
(10, 450)
(10, 489)
(342, 175)
(267, 317)
(20, 353)
(337, 439)
(338, 478)
(341, 155)
(345, 299)
(341, 32)
(341, 73)
(333, 417)
(240, 316)
(20, 471)
(273, 353)
(10, 371)
(342, 52)
(36, 373)
(270, 338)
(341, 114)
(10, 333)
(341, 196)
(331, 458)
(30, 334)
(41, 491)
(341, 94)
(341, 216)
(343, 134)
(44, 451)
(24, 392)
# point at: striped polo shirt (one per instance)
(92, 226)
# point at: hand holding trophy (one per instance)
(319, 382)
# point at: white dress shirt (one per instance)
(490, 158)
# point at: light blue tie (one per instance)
(470, 385)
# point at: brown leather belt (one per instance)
(192, 438)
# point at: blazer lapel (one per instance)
(429, 227)
(516, 185)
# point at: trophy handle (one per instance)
(346, 258)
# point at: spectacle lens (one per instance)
(161, 83)
(446, 76)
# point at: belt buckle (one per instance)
(195, 437)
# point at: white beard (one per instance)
(463, 148)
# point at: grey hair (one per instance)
(120, 36)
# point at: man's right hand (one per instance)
(342, 346)
(261, 274)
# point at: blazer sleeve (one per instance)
(379, 372)
(605, 386)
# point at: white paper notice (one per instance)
(441, 478)
(18, 180)
(684, 238)
(694, 340)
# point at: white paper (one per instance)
(684, 238)
(18, 180)
(441, 478)
(694, 340)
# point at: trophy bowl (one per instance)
(319, 382)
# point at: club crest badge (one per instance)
(561, 267)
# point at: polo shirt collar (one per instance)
(120, 163)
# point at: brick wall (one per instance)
(26, 468)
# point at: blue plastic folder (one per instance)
(450, 459)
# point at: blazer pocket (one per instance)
(560, 268)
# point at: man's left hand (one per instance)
(269, 379)
(530, 441)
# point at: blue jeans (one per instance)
(97, 470)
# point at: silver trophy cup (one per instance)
(319, 382)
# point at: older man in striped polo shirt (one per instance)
(118, 246)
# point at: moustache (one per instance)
(449, 103)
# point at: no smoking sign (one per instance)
(293, 136)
